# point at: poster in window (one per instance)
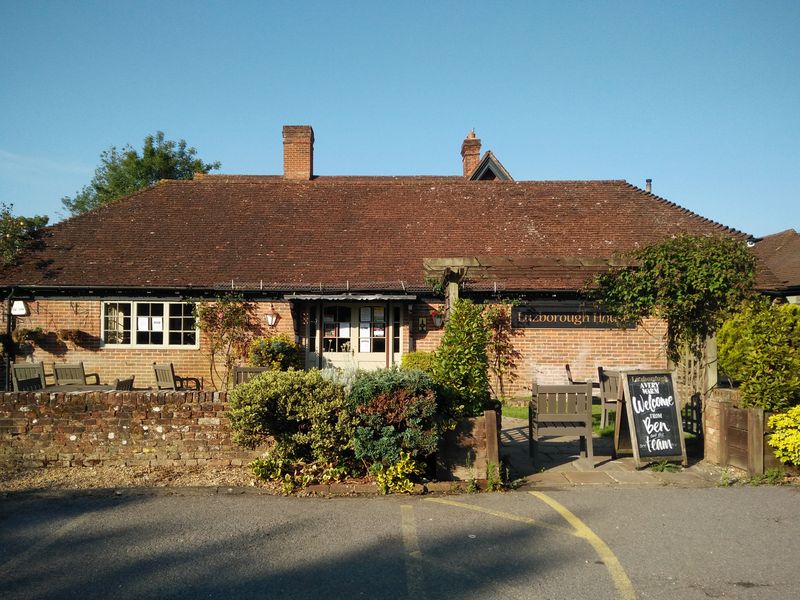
(344, 330)
(378, 314)
(363, 345)
(366, 314)
(157, 324)
(363, 330)
(142, 323)
(378, 331)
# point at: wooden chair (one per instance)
(27, 377)
(124, 385)
(167, 380)
(561, 410)
(609, 393)
(243, 374)
(73, 374)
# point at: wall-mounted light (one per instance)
(19, 308)
(272, 316)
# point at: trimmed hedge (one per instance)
(395, 411)
(303, 412)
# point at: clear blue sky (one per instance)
(702, 97)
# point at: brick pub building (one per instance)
(346, 265)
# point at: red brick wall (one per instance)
(116, 428)
(112, 362)
(545, 352)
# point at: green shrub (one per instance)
(278, 352)
(786, 436)
(303, 412)
(421, 361)
(395, 412)
(461, 365)
(760, 346)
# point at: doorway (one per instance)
(355, 336)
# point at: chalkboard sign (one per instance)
(653, 416)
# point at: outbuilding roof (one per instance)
(780, 252)
(348, 233)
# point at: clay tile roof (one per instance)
(371, 233)
(780, 252)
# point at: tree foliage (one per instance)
(692, 282)
(760, 346)
(16, 232)
(278, 352)
(125, 171)
(461, 365)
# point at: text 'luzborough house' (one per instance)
(345, 265)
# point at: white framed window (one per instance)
(132, 323)
(372, 329)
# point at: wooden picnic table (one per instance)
(77, 387)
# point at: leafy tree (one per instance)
(16, 232)
(125, 171)
(462, 364)
(692, 282)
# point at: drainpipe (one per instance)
(9, 344)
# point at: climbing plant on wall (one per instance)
(228, 325)
(692, 282)
(501, 353)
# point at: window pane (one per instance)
(117, 323)
(396, 329)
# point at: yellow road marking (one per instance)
(621, 581)
(414, 575)
(502, 515)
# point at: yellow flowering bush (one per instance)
(786, 439)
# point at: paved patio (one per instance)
(558, 464)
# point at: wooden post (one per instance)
(711, 375)
(492, 435)
(723, 434)
(755, 441)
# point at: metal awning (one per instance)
(348, 297)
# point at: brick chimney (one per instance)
(470, 153)
(298, 152)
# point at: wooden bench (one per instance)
(73, 374)
(243, 374)
(561, 410)
(167, 380)
(28, 377)
(609, 393)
